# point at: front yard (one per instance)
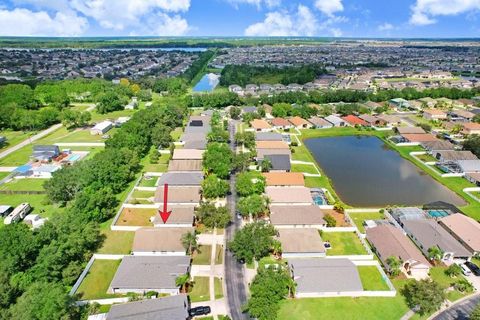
(343, 243)
(200, 290)
(203, 255)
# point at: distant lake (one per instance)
(207, 83)
(365, 172)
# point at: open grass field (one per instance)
(77, 135)
(203, 255)
(218, 288)
(372, 279)
(17, 158)
(136, 217)
(200, 290)
(116, 242)
(4, 175)
(97, 281)
(343, 243)
(37, 201)
(359, 217)
(27, 184)
(14, 137)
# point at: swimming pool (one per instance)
(437, 213)
(319, 198)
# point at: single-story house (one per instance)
(189, 195)
(471, 128)
(289, 195)
(284, 179)
(429, 102)
(423, 137)
(180, 217)
(316, 277)
(184, 165)
(390, 120)
(473, 177)
(373, 120)
(440, 145)
(297, 216)
(388, 241)
(101, 127)
(336, 121)
(300, 122)
(192, 136)
(434, 114)
(159, 241)
(268, 136)
(172, 308)
(399, 103)
(141, 274)
(260, 125)
(462, 115)
(301, 243)
(262, 153)
(428, 233)
(44, 171)
(187, 154)
(45, 152)
(281, 123)
(372, 105)
(465, 229)
(466, 166)
(454, 155)
(193, 178)
(410, 130)
(280, 162)
(271, 145)
(200, 144)
(354, 120)
(320, 123)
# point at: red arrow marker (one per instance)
(165, 214)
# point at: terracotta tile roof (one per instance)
(435, 112)
(420, 137)
(298, 122)
(284, 178)
(354, 120)
(272, 145)
(260, 124)
(280, 122)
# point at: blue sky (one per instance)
(326, 18)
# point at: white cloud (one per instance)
(23, 22)
(282, 23)
(257, 3)
(329, 7)
(385, 27)
(424, 11)
(336, 32)
(166, 25)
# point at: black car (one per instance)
(472, 266)
(199, 311)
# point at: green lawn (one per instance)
(219, 254)
(97, 117)
(14, 137)
(176, 134)
(313, 182)
(64, 135)
(97, 281)
(372, 279)
(426, 158)
(116, 242)
(37, 201)
(143, 194)
(4, 175)
(200, 290)
(17, 158)
(218, 288)
(359, 217)
(306, 168)
(203, 255)
(148, 182)
(343, 243)
(27, 184)
(438, 274)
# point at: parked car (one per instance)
(472, 266)
(465, 270)
(199, 311)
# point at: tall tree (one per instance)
(189, 241)
(425, 295)
(254, 241)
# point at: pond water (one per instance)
(365, 172)
(207, 83)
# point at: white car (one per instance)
(465, 270)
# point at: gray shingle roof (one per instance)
(325, 275)
(143, 272)
(181, 178)
(172, 308)
(279, 161)
(301, 215)
(268, 136)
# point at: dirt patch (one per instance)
(339, 217)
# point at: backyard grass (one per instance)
(143, 194)
(202, 255)
(37, 201)
(200, 290)
(359, 217)
(343, 243)
(372, 279)
(313, 182)
(26, 184)
(426, 158)
(97, 281)
(306, 168)
(136, 217)
(14, 137)
(148, 182)
(116, 242)
(218, 288)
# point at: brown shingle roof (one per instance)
(271, 145)
(179, 194)
(420, 137)
(289, 194)
(185, 165)
(464, 228)
(296, 215)
(410, 130)
(260, 124)
(301, 240)
(280, 122)
(298, 122)
(159, 239)
(187, 154)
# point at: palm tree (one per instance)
(266, 165)
(435, 254)
(182, 282)
(394, 265)
(189, 241)
(277, 249)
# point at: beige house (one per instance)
(434, 114)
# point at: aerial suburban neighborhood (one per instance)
(275, 175)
